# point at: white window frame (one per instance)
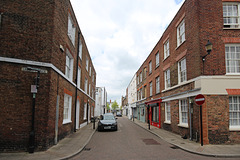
(89, 89)
(157, 84)
(150, 67)
(85, 111)
(69, 65)
(90, 71)
(157, 59)
(183, 113)
(167, 79)
(87, 63)
(234, 113)
(93, 78)
(167, 113)
(71, 29)
(67, 109)
(181, 33)
(80, 48)
(86, 85)
(141, 95)
(232, 58)
(182, 71)
(141, 77)
(79, 77)
(150, 89)
(231, 19)
(166, 49)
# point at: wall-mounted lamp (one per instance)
(208, 47)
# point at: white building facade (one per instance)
(101, 101)
(132, 98)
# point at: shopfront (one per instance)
(141, 112)
(154, 112)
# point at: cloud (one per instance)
(120, 34)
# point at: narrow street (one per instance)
(132, 142)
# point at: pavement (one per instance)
(225, 151)
(75, 143)
(65, 149)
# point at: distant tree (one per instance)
(114, 105)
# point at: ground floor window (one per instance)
(155, 114)
(67, 108)
(85, 111)
(167, 112)
(183, 112)
(234, 112)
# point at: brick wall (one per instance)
(33, 31)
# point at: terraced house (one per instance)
(47, 80)
(180, 67)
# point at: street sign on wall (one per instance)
(199, 99)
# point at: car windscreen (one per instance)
(108, 117)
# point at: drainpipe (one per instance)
(76, 89)
(57, 114)
(190, 116)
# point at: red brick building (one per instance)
(179, 68)
(42, 36)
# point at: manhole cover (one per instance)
(150, 142)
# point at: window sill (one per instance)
(67, 121)
(166, 58)
(167, 122)
(233, 74)
(183, 125)
(231, 28)
(234, 128)
(180, 44)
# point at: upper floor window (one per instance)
(167, 78)
(79, 78)
(150, 89)
(232, 58)
(87, 63)
(93, 78)
(80, 48)
(86, 85)
(141, 94)
(89, 89)
(182, 71)
(145, 72)
(90, 71)
(140, 76)
(71, 29)
(158, 85)
(166, 49)
(157, 59)
(150, 67)
(69, 65)
(231, 15)
(181, 33)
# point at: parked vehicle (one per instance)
(119, 114)
(107, 121)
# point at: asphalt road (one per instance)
(132, 142)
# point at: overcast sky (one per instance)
(120, 34)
